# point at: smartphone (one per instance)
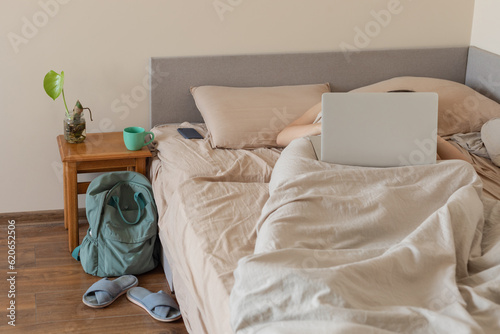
(189, 133)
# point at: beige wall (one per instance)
(103, 47)
(486, 27)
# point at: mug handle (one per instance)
(152, 138)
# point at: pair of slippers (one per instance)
(159, 305)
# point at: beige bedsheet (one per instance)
(371, 250)
(209, 202)
(181, 159)
(489, 173)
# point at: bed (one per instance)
(249, 243)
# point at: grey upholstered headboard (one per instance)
(171, 78)
(483, 73)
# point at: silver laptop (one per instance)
(378, 129)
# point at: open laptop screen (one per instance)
(379, 129)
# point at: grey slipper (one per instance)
(103, 292)
(159, 305)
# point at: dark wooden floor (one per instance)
(49, 286)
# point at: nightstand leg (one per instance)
(71, 204)
(140, 166)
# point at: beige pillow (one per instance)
(461, 109)
(252, 117)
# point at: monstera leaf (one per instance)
(53, 84)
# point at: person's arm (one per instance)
(301, 127)
(292, 132)
(447, 151)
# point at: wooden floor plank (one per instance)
(68, 305)
(49, 253)
(24, 256)
(68, 277)
(41, 233)
(122, 324)
(25, 305)
(50, 284)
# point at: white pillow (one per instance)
(490, 135)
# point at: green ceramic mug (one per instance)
(134, 138)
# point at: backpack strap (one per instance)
(138, 198)
(76, 253)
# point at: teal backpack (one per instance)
(122, 234)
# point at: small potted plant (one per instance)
(74, 122)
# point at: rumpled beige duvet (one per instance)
(371, 250)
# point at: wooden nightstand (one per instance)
(100, 152)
